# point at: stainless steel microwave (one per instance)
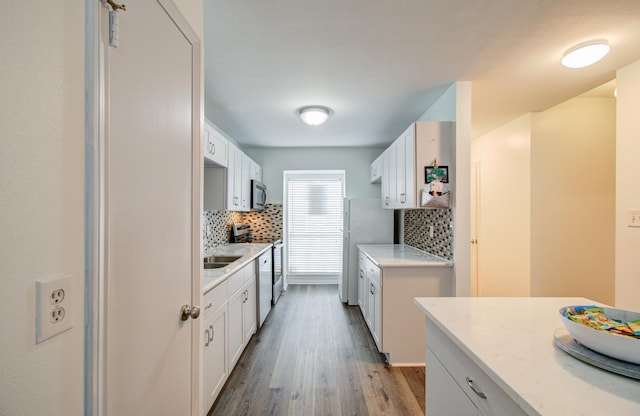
(258, 195)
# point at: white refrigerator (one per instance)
(365, 222)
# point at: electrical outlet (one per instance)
(53, 306)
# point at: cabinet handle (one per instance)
(361, 274)
(213, 148)
(207, 336)
(208, 306)
(475, 389)
(211, 333)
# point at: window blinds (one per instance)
(314, 222)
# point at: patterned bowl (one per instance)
(621, 347)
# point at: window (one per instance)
(313, 222)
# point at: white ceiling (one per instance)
(380, 64)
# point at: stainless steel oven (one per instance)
(277, 248)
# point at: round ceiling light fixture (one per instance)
(585, 54)
(314, 115)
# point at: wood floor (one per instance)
(315, 356)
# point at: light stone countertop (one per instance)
(511, 339)
(249, 251)
(401, 255)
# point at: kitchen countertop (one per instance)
(511, 340)
(249, 251)
(401, 255)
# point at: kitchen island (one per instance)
(390, 277)
(503, 348)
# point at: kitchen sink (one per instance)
(218, 262)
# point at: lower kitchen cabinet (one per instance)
(230, 320)
(443, 395)
(453, 379)
(396, 325)
(215, 354)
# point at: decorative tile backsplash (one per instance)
(416, 231)
(266, 226)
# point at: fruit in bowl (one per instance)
(608, 331)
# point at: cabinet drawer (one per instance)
(236, 281)
(471, 379)
(373, 271)
(215, 298)
(249, 271)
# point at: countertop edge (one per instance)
(246, 259)
(409, 263)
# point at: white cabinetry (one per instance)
(372, 298)
(443, 395)
(215, 147)
(396, 325)
(215, 365)
(362, 282)
(242, 311)
(230, 320)
(230, 189)
(466, 385)
(375, 172)
(404, 161)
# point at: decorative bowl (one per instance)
(621, 347)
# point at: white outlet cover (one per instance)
(54, 308)
(633, 218)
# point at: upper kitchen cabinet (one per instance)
(215, 147)
(227, 186)
(424, 144)
(375, 172)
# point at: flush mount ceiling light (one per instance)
(314, 115)
(585, 54)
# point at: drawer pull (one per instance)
(475, 390)
(208, 306)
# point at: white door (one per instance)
(475, 218)
(151, 215)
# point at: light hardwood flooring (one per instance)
(315, 356)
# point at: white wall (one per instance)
(573, 197)
(355, 161)
(455, 105)
(41, 201)
(627, 242)
(504, 211)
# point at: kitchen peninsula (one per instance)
(390, 276)
(496, 356)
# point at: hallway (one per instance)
(315, 356)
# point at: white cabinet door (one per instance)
(410, 170)
(361, 281)
(389, 177)
(250, 312)
(401, 192)
(443, 395)
(215, 355)
(375, 170)
(376, 311)
(245, 183)
(236, 331)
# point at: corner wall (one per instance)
(627, 241)
(573, 195)
(42, 201)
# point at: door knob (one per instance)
(187, 311)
